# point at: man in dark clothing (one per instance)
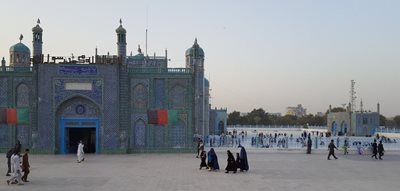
(309, 144)
(374, 149)
(332, 148)
(380, 150)
(25, 166)
(8, 155)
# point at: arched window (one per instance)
(140, 133)
(140, 97)
(22, 96)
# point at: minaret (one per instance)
(37, 43)
(195, 61)
(121, 35)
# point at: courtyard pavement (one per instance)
(269, 170)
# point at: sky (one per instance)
(258, 54)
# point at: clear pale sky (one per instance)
(269, 54)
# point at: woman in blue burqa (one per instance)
(212, 160)
(244, 165)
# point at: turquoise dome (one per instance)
(195, 50)
(120, 30)
(20, 47)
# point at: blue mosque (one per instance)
(113, 103)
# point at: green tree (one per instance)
(234, 118)
(396, 120)
(382, 120)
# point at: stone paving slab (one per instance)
(269, 170)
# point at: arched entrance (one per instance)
(78, 119)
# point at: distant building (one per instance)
(298, 111)
(359, 123)
(320, 114)
(218, 119)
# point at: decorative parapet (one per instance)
(184, 71)
(16, 69)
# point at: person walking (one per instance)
(80, 153)
(345, 146)
(16, 169)
(203, 157)
(212, 161)
(231, 164)
(25, 166)
(332, 148)
(8, 155)
(244, 165)
(309, 145)
(380, 150)
(198, 147)
(374, 149)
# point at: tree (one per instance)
(396, 120)
(382, 120)
(234, 118)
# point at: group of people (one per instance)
(16, 166)
(377, 149)
(210, 161)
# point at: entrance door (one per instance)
(74, 130)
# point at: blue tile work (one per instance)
(5, 141)
(3, 91)
(22, 95)
(159, 136)
(178, 93)
(140, 94)
(177, 134)
(138, 130)
(23, 135)
(159, 93)
(52, 93)
(61, 94)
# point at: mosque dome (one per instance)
(195, 50)
(20, 48)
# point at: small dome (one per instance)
(120, 29)
(37, 29)
(195, 50)
(20, 47)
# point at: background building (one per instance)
(49, 103)
(298, 111)
(218, 120)
(358, 123)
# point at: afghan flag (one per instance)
(172, 117)
(158, 117)
(14, 116)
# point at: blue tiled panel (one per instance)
(138, 130)
(4, 136)
(159, 93)
(3, 92)
(23, 135)
(61, 94)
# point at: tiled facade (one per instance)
(116, 90)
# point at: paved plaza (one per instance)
(269, 170)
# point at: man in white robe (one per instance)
(16, 169)
(80, 152)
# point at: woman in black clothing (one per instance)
(231, 165)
